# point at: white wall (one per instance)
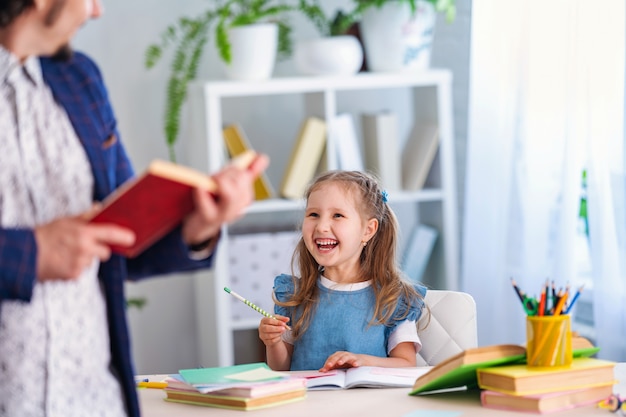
(163, 333)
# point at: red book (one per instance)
(153, 203)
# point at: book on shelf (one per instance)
(305, 158)
(235, 402)
(460, 370)
(381, 144)
(418, 155)
(237, 143)
(546, 403)
(154, 202)
(360, 377)
(346, 143)
(418, 250)
(519, 379)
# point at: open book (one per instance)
(361, 377)
(459, 371)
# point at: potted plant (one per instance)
(338, 51)
(398, 34)
(188, 37)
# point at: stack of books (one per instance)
(544, 390)
(239, 387)
(507, 383)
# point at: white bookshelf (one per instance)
(431, 102)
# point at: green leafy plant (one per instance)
(138, 303)
(446, 7)
(188, 38)
(327, 26)
(343, 20)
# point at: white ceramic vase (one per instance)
(333, 55)
(253, 52)
(396, 40)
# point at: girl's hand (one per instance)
(341, 359)
(271, 329)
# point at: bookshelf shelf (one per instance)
(430, 98)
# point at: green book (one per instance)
(460, 370)
(229, 375)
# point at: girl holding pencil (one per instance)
(350, 305)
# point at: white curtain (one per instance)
(546, 101)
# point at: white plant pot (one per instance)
(253, 52)
(395, 40)
(333, 55)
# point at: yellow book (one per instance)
(237, 143)
(522, 380)
(233, 402)
(305, 157)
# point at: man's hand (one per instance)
(235, 192)
(65, 247)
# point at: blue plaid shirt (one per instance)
(78, 87)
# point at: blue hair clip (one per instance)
(385, 195)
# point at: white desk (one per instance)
(362, 402)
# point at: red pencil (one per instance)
(542, 302)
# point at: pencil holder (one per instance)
(548, 341)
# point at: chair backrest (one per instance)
(452, 327)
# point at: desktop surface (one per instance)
(384, 402)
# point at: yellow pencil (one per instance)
(560, 304)
(151, 384)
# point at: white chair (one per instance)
(452, 327)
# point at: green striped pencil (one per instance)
(250, 304)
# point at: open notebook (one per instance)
(362, 377)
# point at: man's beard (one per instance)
(64, 53)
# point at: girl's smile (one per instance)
(334, 231)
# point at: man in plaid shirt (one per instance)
(64, 343)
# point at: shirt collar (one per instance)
(9, 63)
(344, 287)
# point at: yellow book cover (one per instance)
(522, 380)
(232, 402)
(305, 157)
(237, 143)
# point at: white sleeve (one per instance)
(404, 332)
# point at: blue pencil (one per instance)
(571, 304)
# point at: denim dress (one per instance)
(341, 322)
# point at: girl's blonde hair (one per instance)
(377, 261)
